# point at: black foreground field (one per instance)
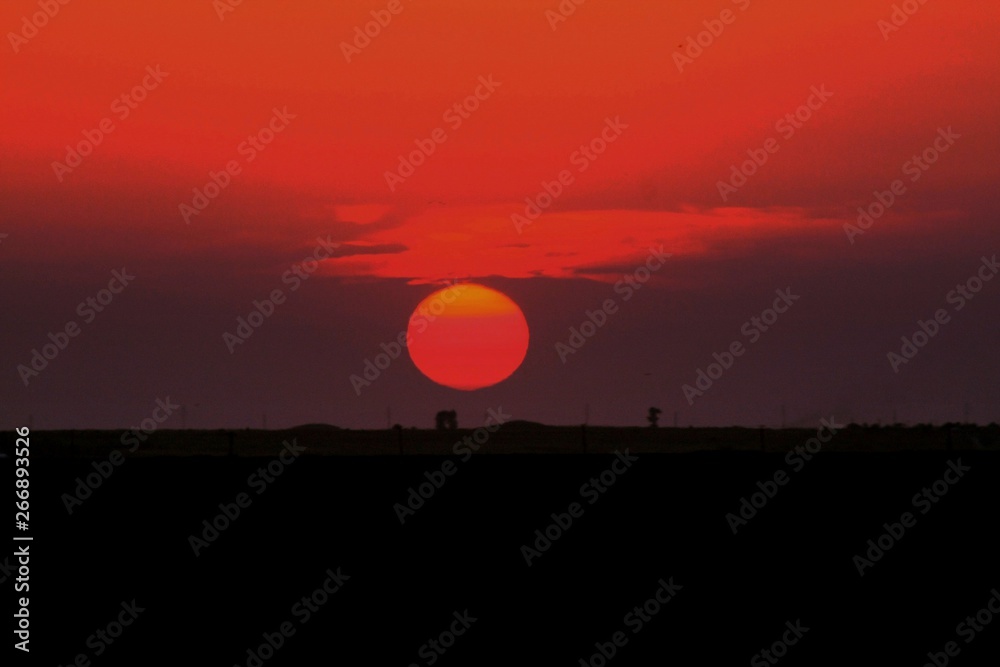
(660, 527)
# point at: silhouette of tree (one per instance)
(446, 420)
(653, 417)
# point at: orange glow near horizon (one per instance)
(467, 337)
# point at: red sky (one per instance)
(656, 183)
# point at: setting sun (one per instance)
(467, 336)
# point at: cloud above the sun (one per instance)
(469, 242)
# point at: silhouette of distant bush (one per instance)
(446, 420)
